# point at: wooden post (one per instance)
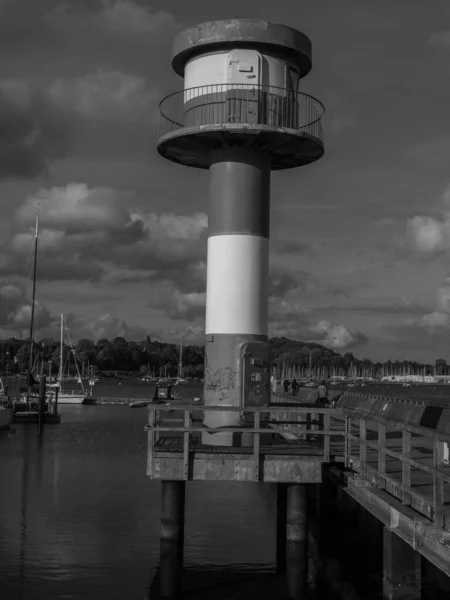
(438, 484)
(381, 455)
(281, 527)
(55, 408)
(401, 569)
(297, 541)
(406, 467)
(41, 410)
(172, 538)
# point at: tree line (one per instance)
(162, 359)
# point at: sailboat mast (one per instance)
(61, 366)
(33, 301)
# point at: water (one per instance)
(79, 518)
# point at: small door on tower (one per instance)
(254, 384)
(244, 81)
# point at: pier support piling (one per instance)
(401, 569)
(281, 527)
(172, 538)
(296, 541)
(315, 565)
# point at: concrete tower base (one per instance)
(237, 288)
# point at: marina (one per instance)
(104, 448)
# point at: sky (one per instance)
(360, 240)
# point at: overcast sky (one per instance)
(360, 240)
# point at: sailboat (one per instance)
(25, 408)
(67, 397)
(180, 378)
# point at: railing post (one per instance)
(327, 437)
(256, 446)
(347, 441)
(187, 424)
(381, 455)
(362, 445)
(150, 442)
(438, 483)
(406, 467)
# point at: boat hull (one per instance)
(140, 404)
(72, 399)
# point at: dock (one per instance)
(388, 455)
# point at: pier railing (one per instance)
(407, 456)
(291, 422)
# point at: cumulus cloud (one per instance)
(106, 94)
(106, 326)
(128, 18)
(439, 319)
(92, 231)
(337, 336)
(428, 235)
(15, 309)
(178, 305)
(15, 317)
(33, 132)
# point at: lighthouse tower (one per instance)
(240, 114)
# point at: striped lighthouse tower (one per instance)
(240, 115)
(237, 284)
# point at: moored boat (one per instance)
(140, 403)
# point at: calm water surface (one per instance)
(79, 518)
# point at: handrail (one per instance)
(284, 419)
(241, 104)
(376, 472)
(155, 428)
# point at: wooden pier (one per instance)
(390, 456)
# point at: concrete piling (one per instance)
(401, 569)
(281, 527)
(296, 541)
(172, 539)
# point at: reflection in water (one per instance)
(23, 514)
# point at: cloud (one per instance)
(15, 310)
(33, 132)
(92, 232)
(338, 337)
(428, 235)
(15, 317)
(130, 18)
(179, 306)
(106, 94)
(119, 17)
(106, 326)
(439, 319)
(435, 321)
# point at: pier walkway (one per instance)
(389, 455)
